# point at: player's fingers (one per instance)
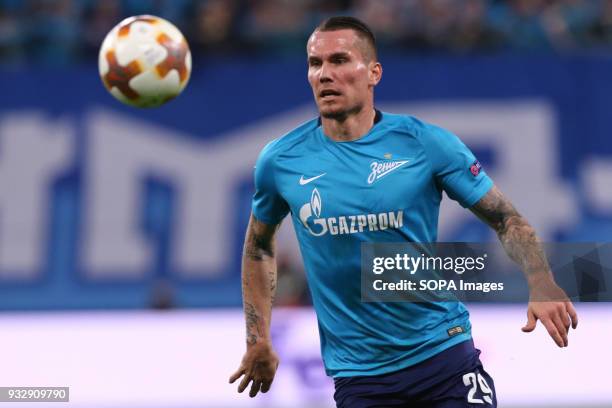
(552, 331)
(531, 322)
(245, 382)
(572, 313)
(564, 318)
(255, 388)
(236, 375)
(561, 328)
(265, 386)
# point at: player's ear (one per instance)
(375, 72)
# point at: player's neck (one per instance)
(353, 127)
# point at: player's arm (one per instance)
(260, 362)
(547, 301)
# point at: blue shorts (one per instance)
(453, 378)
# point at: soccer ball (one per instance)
(144, 61)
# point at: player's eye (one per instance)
(314, 63)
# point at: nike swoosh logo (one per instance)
(304, 181)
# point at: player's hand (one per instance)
(549, 303)
(259, 365)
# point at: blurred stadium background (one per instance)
(121, 229)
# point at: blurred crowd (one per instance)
(68, 31)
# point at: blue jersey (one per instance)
(383, 187)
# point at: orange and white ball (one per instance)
(144, 61)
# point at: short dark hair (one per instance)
(350, 23)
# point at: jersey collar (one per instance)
(377, 117)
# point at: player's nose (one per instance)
(325, 73)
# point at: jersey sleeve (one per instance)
(454, 166)
(268, 205)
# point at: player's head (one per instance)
(343, 68)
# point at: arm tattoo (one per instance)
(516, 235)
(258, 243)
(272, 277)
(258, 279)
(252, 323)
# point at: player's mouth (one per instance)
(328, 93)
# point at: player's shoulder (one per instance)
(289, 139)
(427, 134)
(413, 125)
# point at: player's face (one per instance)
(340, 75)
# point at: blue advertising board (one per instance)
(106, 206)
